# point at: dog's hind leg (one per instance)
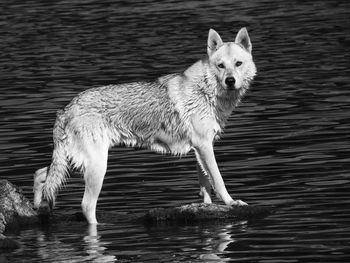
(94, 171)
(39, 181)
(204, 182)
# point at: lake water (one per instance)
(287, 145)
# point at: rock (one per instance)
(15, 211)
(204, 212)
(15, 208)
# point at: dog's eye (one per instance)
(238, 63)
(221, 65)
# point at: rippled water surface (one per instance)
(287, 145)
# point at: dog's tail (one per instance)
(57, 172)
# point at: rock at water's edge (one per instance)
(15, 211)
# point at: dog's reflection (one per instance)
(95, 248)
(69, 246)
(218, 243)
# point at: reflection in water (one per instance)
(95, 248)
(83, 243)
(221, 238)
(58, 246)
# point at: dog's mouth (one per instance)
(231, 87)
(227, 91)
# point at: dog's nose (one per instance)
(230, 82)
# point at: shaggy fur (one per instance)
(174, 114)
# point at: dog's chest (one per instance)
(165, 143)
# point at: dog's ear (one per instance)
(214, 42)
(243, 39)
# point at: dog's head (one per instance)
(232, 62)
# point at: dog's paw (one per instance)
(44, 208)
(237, 203)
(44, 213)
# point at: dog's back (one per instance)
(133, 114)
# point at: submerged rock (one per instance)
(7, 243)
(203, 212)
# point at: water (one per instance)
(287, 145)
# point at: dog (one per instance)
(173, 114)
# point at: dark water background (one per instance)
(287, 145)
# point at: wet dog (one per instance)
(173, 114)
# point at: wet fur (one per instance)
(174, 114)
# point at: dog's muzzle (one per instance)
(230, 82)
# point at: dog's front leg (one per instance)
(206, 157)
